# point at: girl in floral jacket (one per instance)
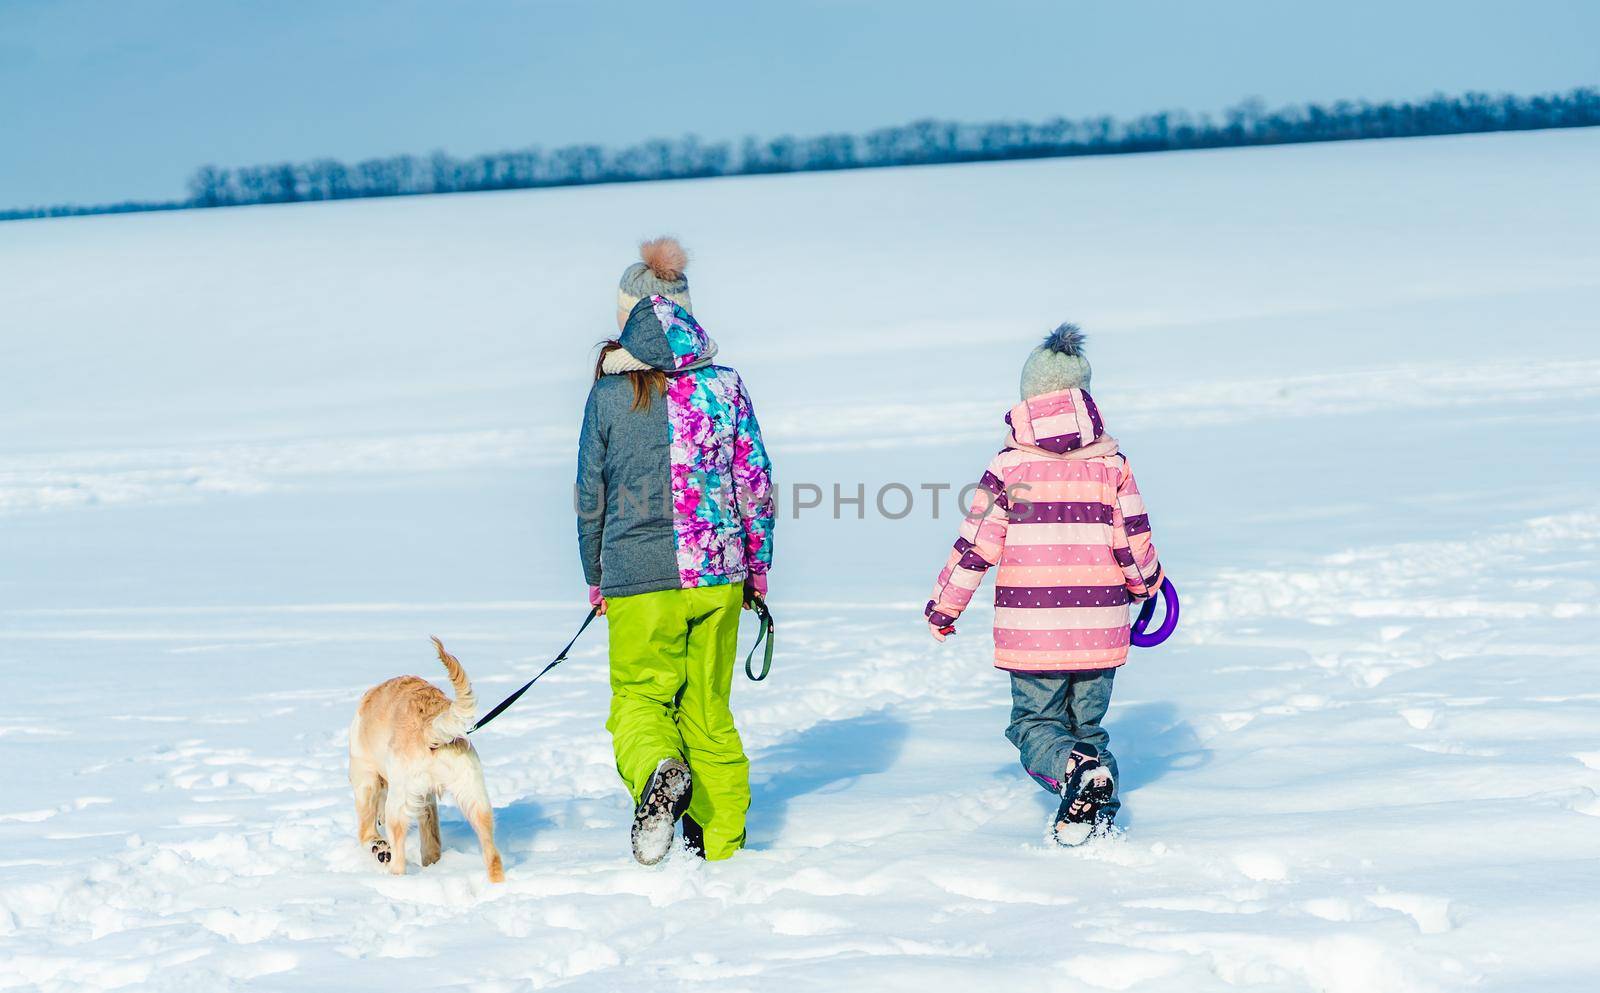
(675, 519)
(1060, 515)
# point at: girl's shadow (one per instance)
(829, 754)
(1150, 741)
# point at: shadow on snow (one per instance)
(826, 756)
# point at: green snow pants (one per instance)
(672, 657)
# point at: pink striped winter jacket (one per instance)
(1059, 513)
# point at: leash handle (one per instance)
(763, 636)
(562, 657)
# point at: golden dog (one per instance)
(408, 744)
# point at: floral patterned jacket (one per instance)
(678, 494)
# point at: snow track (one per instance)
(1366, 763)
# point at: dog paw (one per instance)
(381, 850)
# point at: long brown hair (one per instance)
(646, 383)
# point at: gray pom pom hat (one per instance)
(644, 323)
(1057, 364)
(659, 272)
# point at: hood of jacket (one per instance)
(660, 334)
(1065, 423)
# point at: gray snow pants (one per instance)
(1052, 713)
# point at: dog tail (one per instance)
(455, 722)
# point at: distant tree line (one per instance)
(919, 143)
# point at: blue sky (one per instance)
(103, 100)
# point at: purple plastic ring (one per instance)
(1169, 597)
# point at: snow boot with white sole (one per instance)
(655, 820)
(1087, 788)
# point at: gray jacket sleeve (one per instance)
(590, 492)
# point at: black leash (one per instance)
(508, 701)
(759, 605)
(764, 636)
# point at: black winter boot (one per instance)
(1087, 787)
(655, 820)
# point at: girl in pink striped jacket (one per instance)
(1060, 515)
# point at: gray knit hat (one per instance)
(658, 273)
(1058, 364)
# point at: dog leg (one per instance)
(368, 793)
(482, 821)
(396, 822)
(473, 797)
(367, 798)
(380, 847)
(428, 828)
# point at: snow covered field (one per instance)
(252, 458)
